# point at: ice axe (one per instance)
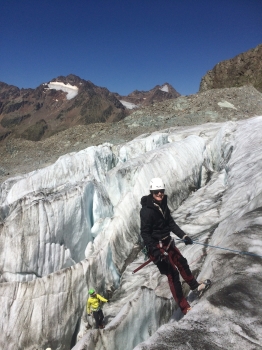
(143, 265)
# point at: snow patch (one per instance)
(128, 105)
(226, 105)
(164, 88)
(71, 90)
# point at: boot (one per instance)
(203, 286)
(188, 309)
(184, 306)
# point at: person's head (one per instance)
(91, 292)
(157, 189)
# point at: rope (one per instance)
(231, 250)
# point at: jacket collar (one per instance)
(149, 202)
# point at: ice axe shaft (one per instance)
(143, 265)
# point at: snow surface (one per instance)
(75, 225)
(226, 104)
(71, 90)
(128, 105)
(164, 88)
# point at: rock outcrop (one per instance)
(243, 69)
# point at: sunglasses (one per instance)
(157, 191)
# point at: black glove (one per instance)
(187, 240)
(157, 255)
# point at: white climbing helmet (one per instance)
(156, 184)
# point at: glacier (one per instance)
(75, 225)
(71, 90)
(128, 105)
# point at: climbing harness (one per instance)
(164, 252)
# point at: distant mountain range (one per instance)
(36, 114)
(63, 102)
(139, 99)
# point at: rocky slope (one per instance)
(243, 69)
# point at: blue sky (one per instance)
(124, 44)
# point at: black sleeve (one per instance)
(174, 227)
(146, 227)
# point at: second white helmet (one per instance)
(156, 184)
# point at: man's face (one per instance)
(158, 195)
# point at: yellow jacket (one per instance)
(93, 303)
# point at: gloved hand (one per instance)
(187, 240)
(157, 255)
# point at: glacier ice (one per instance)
(71, 90)
(128, 105)
(75, 225)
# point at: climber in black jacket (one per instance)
(156, 224)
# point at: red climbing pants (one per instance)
(170, 266)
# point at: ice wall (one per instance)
(48, 214)
(51, 215)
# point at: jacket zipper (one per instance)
(161, 211)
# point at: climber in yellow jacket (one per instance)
(94, 306)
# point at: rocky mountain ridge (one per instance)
(243, 69)
(38, 113)
(138, 99)
(35, 114)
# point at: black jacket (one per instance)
(156, 225)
